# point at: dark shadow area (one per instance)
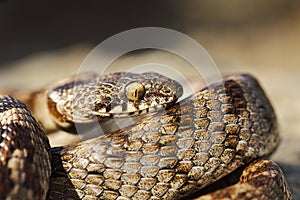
(224, 182)
(61, 186)
(292, 175)
(31, 27)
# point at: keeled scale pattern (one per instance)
(172, 154)
(24, 153)
(261, 179)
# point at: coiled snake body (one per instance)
(177, 152)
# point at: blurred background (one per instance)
(42, 42)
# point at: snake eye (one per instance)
(134, 91)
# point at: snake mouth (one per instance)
(149, 110)
(132, 109)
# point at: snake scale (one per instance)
(211, 145)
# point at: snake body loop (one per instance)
(24, 153)
(176, 153)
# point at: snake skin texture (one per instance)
(109, 96)
(261, 179)
(177, 153)
(24, 153)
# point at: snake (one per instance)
(213, 144)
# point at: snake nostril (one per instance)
(166, 90)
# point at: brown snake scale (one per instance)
(180, 152)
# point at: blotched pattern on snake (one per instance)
(185, 149)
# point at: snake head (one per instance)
(114, 95)
(135, 94)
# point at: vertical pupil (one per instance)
(136, 93)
